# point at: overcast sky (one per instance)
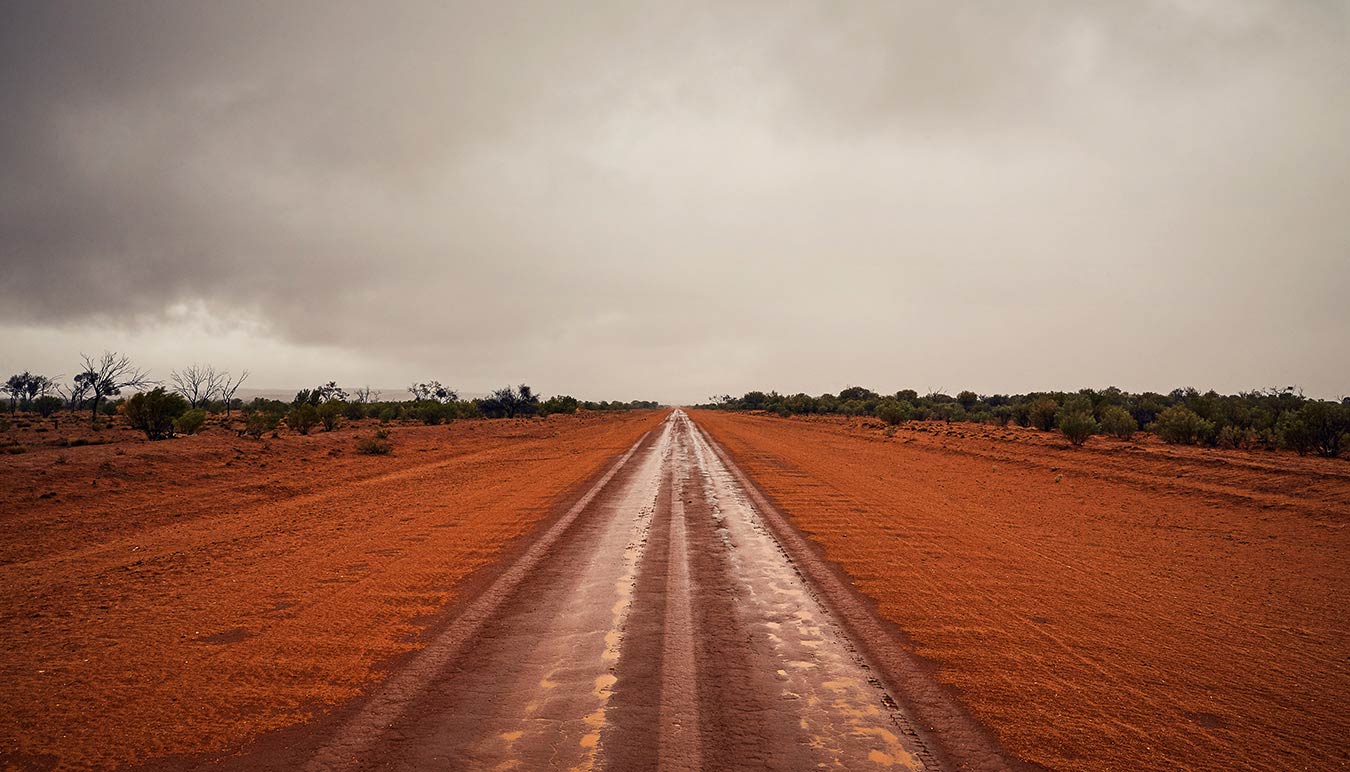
(670, 200)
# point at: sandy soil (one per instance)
(189, 595)
(1127, 605)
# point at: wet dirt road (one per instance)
(658, 625)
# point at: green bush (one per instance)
(948, 412)
(1179, 425)
(330, 414)
(565, 405)
(431, 413)
(354, 411)
(1075, 419)
(190, 422)
(894, 411)
(1077, 427)
(153, 412)
(47, 405)
(303, 417)
(1321, 426)
(1233, 437)
(1041, 413)
(1294, 433)
(1117, 422)
(261, 422)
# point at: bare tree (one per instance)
(107, 376)
(76, 393)
(228, 387)
(198, 384)
(366, 395)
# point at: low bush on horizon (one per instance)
(1264, 419)
(894, 411)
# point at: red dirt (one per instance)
(1119, 606)
(188, 596)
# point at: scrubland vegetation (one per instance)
(1267, 419)
(113, 389)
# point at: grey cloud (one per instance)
(687, 197)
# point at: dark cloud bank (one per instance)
(673, 199)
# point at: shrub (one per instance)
(260, 423)
(378, 445)
(1293, 432)
(568, 405)
(47, 405)
(948, 412)
(191, 421)
(330, 413)
(153, 412)
(355, 411)
(1234, 438)
(430, 413)
(1075, 420)
(1117, 422)
(1041, 413)
(894, 411)
(1324, 426)
(1179, 425)
(967, 399)
(1003, 415)
(303, 417)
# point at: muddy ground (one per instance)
(1126, 605)
(190, 595)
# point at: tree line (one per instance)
(1264, 418)
(182, 404)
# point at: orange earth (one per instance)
(187, 596)
(1126, 605)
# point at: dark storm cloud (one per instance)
(675, 198)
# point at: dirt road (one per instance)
(657, 625)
